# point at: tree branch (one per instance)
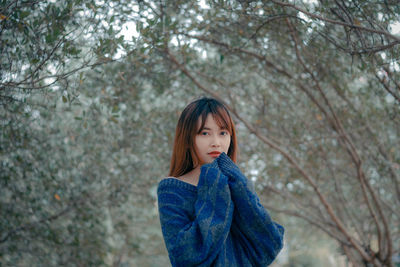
(337, 125)
(290, 159)
(389, 35)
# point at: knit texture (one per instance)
(218, 223)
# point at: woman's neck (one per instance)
(191, 177)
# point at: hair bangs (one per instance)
(220, 115)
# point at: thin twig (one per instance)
(391, 36)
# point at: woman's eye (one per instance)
(204, 133)
(224, 133)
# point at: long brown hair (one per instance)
(184, 155)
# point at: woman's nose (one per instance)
(215, 142)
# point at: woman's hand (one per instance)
(229, 168)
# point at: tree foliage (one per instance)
(306, 81)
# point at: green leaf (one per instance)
(64, 99)
(73, 51)
(113, 119)
(110, 30)
(138, 26)
(49, 38)
(35, 61)
(24, 14)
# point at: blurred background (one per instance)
(91, 91)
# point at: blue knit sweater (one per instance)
(218, 223)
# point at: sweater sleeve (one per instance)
(196, 240)
(261, 238)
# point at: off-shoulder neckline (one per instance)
(177, 182)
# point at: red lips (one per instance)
(214, 154)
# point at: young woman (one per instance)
(209, 214)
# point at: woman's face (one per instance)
(211, 141)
